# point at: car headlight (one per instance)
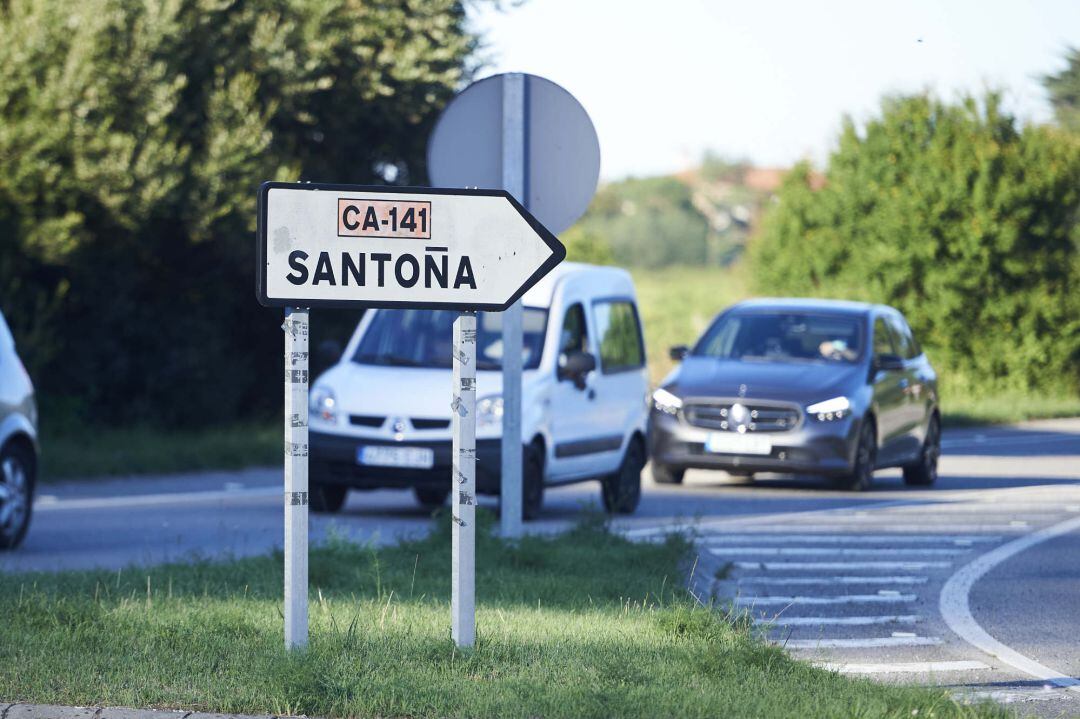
(489, 411)
(322, 404)
(666, 402)
(830, 409)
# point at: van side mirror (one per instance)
(575, 366)
(888, 362)
(678, 352)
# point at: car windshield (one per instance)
(423, 338)
(783, 337)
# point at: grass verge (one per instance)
(585, 625)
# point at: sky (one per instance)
(766, 80)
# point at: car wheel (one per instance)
(862, 474)
(923, 473)
(16, 488)
(621, 491)
(532, 482)
(663, 474)
(431, 497)
(328, 498)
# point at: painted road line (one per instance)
(1009, 696)
(142, 500)
(828, 581)
(836, 551)
(956, 609)
(841, 566)
(838, 599)
(867, 643)
(959, 540)
(905, 667)
(899, 530)
(999, 442)
(839, 621)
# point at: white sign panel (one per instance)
(348, 245)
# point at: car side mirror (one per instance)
(888, 362)
(330, 352)
(678, 352)
(575, 366)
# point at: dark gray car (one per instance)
(800, 386)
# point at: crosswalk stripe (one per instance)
(828, 581)
(781, 566)
(897, 529)
(904, 667)
(866, 643)
(838, 599)
(960, 540)
(836, 551)
(839, 621)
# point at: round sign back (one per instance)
(561, 154)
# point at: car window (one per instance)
(574, 336)
(619, 332)
(905, 343)
(883, 344)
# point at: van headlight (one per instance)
(830, 409)
(666, 402)
(489, 411)
(322, 404)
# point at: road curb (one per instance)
(54, 711)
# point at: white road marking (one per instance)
(1007, 696)
(138, 500)
(782, 566)
(867, 643)
(900, 530)
(838, 599)
(959, 540)
(835, 551)
(1010, 441)
(905, 667)
(956, 610)
(827, 581)
(839, 621)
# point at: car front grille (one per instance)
(762, 416)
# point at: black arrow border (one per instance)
(557, 249)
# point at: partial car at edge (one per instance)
(18, 443)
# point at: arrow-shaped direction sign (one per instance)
(349, 245)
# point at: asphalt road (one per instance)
(894, 583)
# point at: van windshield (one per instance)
(423, 338)
(783, 337)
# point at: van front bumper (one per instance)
(333, 460)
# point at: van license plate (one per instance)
(733, 443)
(408, 457)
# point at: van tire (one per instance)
(621, 491)
(431, 497)
(328, 498)
(663, 474)
(532, 482)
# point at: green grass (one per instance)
(966, 411)
(581, 625)
(101, 451)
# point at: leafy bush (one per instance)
(957, 216)
(133, 136)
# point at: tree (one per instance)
(1064, 90)
(959, 217)
(133, 136)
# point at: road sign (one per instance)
(361, 246)
(561, 158)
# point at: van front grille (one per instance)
(428, 423)
(361, 420)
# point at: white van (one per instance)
(380, 417)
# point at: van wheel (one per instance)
(16, 489)
(431, 497)
(328, 498)
(862, 474)
(663, 474)
(923, 473)
(622, 491)
(532, 482)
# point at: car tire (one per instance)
(17, 478)
(664, 474)
(621, 491)
(431, 497)
(328, 498)
(862, 474)
(532, 482)
(923, 473)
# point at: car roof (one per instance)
(810, 303)
(603, 281)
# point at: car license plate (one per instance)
(408, 457)
(733, 443)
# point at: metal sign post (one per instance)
(514, 175)
(296, 477)
(463, 421)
